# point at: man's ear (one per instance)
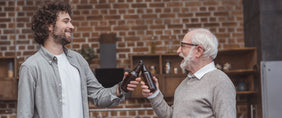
(199, 51)
(50, 27)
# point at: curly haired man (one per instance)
(57, 82)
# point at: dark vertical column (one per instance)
(252, 25)
(108, 51)
(263, 29)
(252, 31)
(271, 29)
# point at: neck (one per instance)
(52, 47)
(197, 65)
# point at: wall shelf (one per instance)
(8, 78)
(246, 92)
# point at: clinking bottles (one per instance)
(148, 79)
(131, 76)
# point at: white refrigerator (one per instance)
(271, 73)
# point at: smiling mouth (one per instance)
(181, 56)
(67, 32)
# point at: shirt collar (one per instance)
(200, 73)
(50, 57)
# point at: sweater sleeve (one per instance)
(224, 100)
(161, 108)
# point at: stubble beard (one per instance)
(61, 38)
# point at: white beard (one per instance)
(187, 60)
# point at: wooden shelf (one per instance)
(246, 92)
(240, 71)
(237, 50)
(8, 89)
(8, 78)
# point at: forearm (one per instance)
(105, 97)
(161, 108)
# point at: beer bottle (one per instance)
(148, 79)
(132, 75)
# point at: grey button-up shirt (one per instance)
(40, 90)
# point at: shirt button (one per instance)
(60, 85)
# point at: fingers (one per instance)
(143, 85)
(145, 90)
(138, 79)
(156, 81)
(130, 88)
(133, 84)
(124, 75)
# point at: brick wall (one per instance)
(136, 24)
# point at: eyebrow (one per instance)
(67, 19)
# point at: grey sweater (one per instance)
(212, 96)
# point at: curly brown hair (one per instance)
(45, 16)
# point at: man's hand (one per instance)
(131, 86)
(145, 89)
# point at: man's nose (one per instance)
(71, 26)
(178, 50)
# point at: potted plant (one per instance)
(87, 53)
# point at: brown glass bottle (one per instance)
(132, 75)
(148, 79)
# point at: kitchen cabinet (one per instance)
(8, 78)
